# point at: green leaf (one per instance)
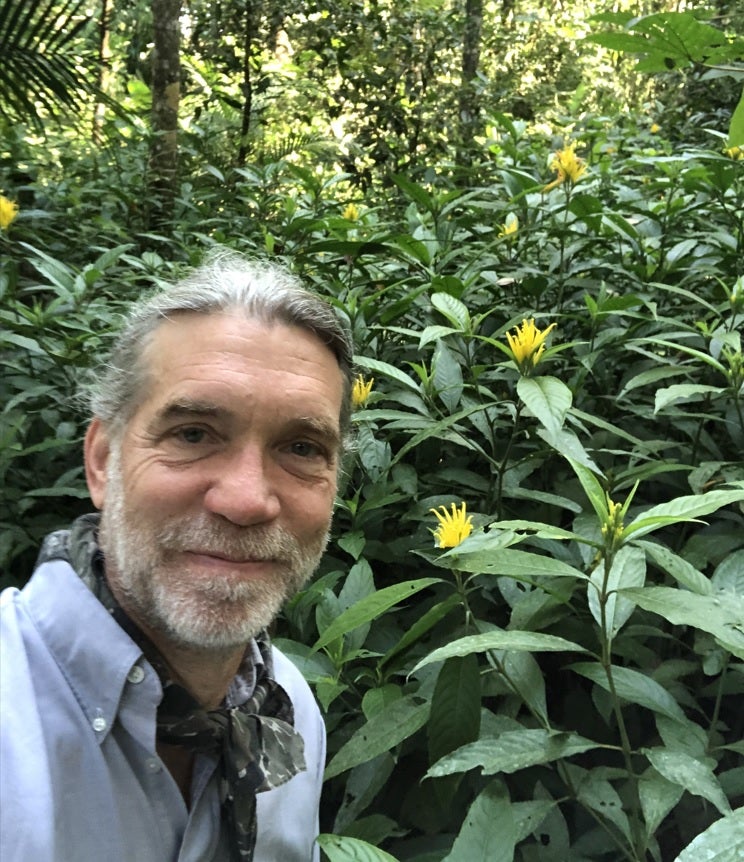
(568, 445)
(721, 842)
(547, 398)
(681, 509)
(453, 309)
(592, 488)
(454, 719)
(690, 773)
(512, 640)
(371, 607)
(511, 563)
(720, 615)
(683, 392)
(435, 333)
(341, 848)
(422, 625)
(736, 127)
(387, 370)
(634, 687)
(400, 720)
(488, 833)
(658, 796)
(600, 796)
(512, 751)
(447, 377)
(628, 569)
(683, 572)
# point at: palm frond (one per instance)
(44, 60)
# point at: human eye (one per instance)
(192, 435)
(307, 449)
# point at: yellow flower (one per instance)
(527, 345)
(567, 165)
(613, 528)
(360, 390)
(454, 527)
(655, 128)
(510, 226)
(8, 212)
(351, 212)
(736, 153)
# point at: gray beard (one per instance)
(221, 611)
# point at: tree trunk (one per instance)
(247, 85)
(470, 58)
(104, 68)
(166, 82)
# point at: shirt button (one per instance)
(153, 764)
(136, 674)
(99, 724)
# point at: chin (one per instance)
(199, 623)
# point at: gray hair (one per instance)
(260, 289)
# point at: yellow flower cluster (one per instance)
(510, 226)
(454, 527)
(736, 153)
(567, 165)
(351, 212)
(360, 391)
(8, 212)
(527, 345)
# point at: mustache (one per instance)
(201, 535)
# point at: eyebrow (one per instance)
(188, 408)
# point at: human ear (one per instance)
(97, 450)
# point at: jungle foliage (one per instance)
(547, 318)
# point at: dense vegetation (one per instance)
(528, 635)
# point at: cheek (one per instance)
(161, 492)
(309, 513)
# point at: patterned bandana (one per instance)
(256, 744)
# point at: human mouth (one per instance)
(221, 561)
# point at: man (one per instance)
(145, 717)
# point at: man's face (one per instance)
(217, 496)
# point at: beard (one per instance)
(158, 587)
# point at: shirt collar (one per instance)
(93, 653)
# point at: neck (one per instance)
(205, 673)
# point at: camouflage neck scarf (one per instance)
(256, 744)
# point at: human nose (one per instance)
(242, 491)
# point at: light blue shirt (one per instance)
(80, 779)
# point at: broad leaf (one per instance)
(453, 309)
(507, 640)
(547, 398)
(489, 831)
(371, 607)
(633, 686)
(721, 842)
(592, 488)
(341, 848)
(690, 773)
(521, 565)
(681, 509)
(683, 392)
(658, 796)
(512, 751)
(400, 720)
(454, 719)
(628, 569)
(683, 572)
(720, 615)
